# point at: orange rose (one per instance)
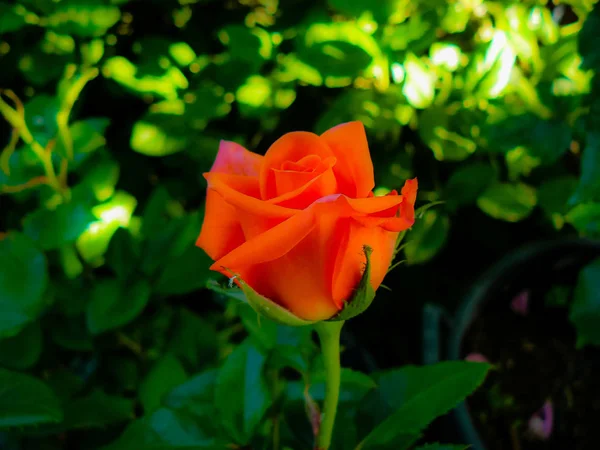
(292, 224)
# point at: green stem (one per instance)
(329, 335)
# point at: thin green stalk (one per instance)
(329, 335)
(16, 118)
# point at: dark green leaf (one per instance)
(156, 215)
(585, 310)
(186, 273)
(164, 376)
(123, 253)
(242, 395)
(164, 430)
(586, 39)
(554, 194)
(446, 144)
(23, 278)
(97, 410)
(23, 350)
(423, 393)
(40, 117)
(115, 303)
(196, 399)
(558, 296)
(253, 45)
(11, 18)
(589, 180)
(354, 386)
(549, 140)
(25, 400)
(442, 447)
(195, 340)
(338, 50)
(52, 229)
(467, 182)
(427, 236)
(87, 136)
(509, 202)
(71, 332)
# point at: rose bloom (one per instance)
(293, 223)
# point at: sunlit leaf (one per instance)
(509, 202)
(419, 83)
(92, 51)
(489, 73)
(86, 18)
(159, 135)
(585, 218)
(124, 72)
(111, 215)
(448, 56)
(182, 53)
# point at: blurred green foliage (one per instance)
(112, 109)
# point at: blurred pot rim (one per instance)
(505, 270)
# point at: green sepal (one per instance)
(262, 305)
(363, 295)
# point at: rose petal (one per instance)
(290, 147)
(306, 164)
(354, 170)
(308, 190)
(234, 159)
(287, 265)
(241, 192)
(288, 181)
(392, 212)
(221, 229)
(255, 216)
(351, 259)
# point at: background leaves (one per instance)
(120, 105)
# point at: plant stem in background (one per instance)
(16, 118)
(329, 335)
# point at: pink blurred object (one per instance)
(476, 357)
(520, 304)
(541, 422)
